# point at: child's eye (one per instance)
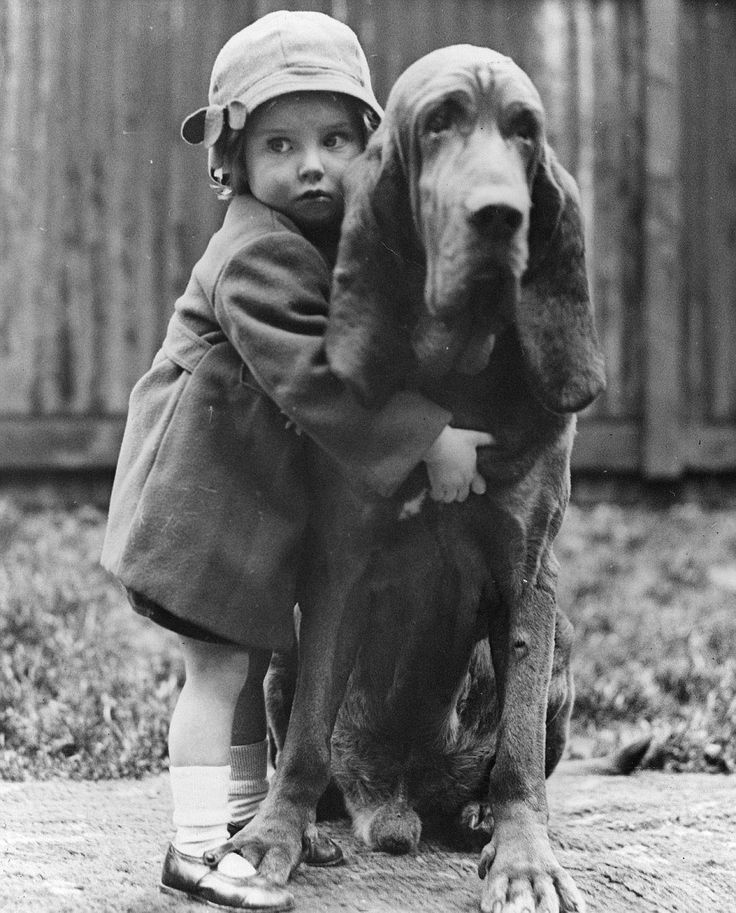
(337, 140)
(279, 144)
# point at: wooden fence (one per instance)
(103, 209)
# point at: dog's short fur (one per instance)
(461, 273)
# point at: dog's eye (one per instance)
(440, 119)
(524, 126)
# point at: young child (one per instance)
(210, 500)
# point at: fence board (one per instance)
(695, 282)
(720, 189)
(662, 452)
(18, 322)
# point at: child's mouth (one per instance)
(315, 196)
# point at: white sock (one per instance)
(248, 780)
(201, 815)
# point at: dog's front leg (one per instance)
(331, 627)
(520, 869)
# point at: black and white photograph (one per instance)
(368, 456)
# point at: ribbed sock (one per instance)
(201, 815)
(248, 780)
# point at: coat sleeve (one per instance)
(271, 301)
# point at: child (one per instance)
(209, 505)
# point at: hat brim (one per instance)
(193, 128)
(288, 83)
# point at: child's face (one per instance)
(296, 151)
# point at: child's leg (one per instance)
(249, 763)
(249, 749)
(199, 748)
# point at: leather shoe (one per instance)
(199, 880)
(317, 848)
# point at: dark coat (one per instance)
(211, 496)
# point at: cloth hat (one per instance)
(279, 53)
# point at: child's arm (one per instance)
(271, 301)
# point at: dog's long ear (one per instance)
(371, 303)
(555, 317)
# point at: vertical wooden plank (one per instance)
(19, 240)
(615, 169)
(555, 78)
(497, 18)
(361, 17)
(662, 430)
(64, 333)
(519, 28)
(694, 113)
(719, 141)
(442, 24)
(527, 37)
(158, 66)
(388, 58)
(120, 350)
(631, 183)
(193, 212)
(96, 381)
(134, 200)
(586, 113)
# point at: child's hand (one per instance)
(451, 464)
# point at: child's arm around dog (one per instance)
(271, 301)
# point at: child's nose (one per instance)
(311, 166)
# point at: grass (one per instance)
(652, 595)
(87, 688)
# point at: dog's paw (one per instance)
(522, 874)
(273, 843)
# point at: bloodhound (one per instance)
(460, 273)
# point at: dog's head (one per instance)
(459, 224)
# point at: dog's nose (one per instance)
(496, 220)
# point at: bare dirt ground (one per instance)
(649, 842)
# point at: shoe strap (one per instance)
(213, 857)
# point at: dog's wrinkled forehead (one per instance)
(480, 72)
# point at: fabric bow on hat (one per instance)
(208, 124)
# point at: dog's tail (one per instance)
(621, 763)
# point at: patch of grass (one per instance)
(652, 595)
(87, 687)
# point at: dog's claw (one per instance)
(476, 822)
(272, 843)
(214, 856)
(320, 850)
(486, 859)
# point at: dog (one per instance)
(460, 273)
